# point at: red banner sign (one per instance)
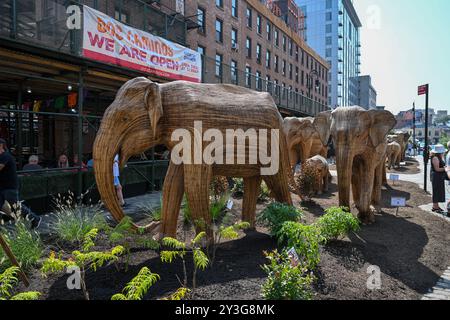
(423, 90)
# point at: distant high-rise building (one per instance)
(332, 29)
(366, 94)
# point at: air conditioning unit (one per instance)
(235, 46)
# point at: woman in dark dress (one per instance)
(438, 173)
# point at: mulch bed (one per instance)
(411, 250)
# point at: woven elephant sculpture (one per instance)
(145, 114)
(360, 141)
(303, 140)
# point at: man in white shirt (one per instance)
(117, 185)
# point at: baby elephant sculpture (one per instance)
(360, 141)
(145, 114)
(321, 165)
(302, 139)
(393, 154)
(402, 139)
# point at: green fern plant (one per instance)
(8, 279)
(278, 213)
(84, 261)
(138, 287)
(179, 250)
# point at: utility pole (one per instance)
(414, 128)
(424, 90)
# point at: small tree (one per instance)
(200, 259)
(84, 261)
(138, 287)
(227, 233)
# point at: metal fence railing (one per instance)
(214, 72)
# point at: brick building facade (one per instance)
(239, 38)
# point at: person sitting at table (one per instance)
(33, 164)
(76, 163)
(63, 161)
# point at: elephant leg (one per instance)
(357, 177)
(279, 187)
(173, 191)
(376, 193)
(293, 157)
(197, 179)
(252, 187)
(326, 181)
(365, 199)
(384, 177)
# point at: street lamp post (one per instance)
(414, 128)
(311, 83)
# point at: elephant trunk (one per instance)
(344, 163)
(104, 151)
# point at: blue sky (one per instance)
(406, 43)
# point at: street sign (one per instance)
(398, 202)
(423, 90)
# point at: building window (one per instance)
(283, 68)
(291, 48)
(201, 20)
(259, 24)
(269, 31)
(276, 63)
(329, 16)
(291, 70)
(296, 74)
(248, 77)
(268, 59)
(234, 38)
(258, 81)
(328, 28)
(234, 72)
(302, 78)
(219, 28)
(248, 45)
(277, 38)
(219, 3)
(121, 15)
(284, 43)
(249, 16)
(296, 53)
(219, 59)
(258, 53)
(234, 8)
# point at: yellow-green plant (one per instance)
(227, 233)
(337, 223)
(124, 234)
(200, 259)
(8, 280)
(178, 295)
(84, 261)
(138, 287)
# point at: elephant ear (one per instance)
(154, 107)
(322, 124)
(382, 123)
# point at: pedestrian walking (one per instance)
(117, 184)
(438, 176)
(447, 162)
(9, 186)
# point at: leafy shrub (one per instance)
(178, 295)
(306, 180)
(123, 234)
(277, 213)
(138, 287)
(227, 233)
(238, 189)
(84, 261)
(73, 221)
(218, 206)
(25, 244)
(284, 281)
(306, 240)
(336, 223)
(8, 280)
(179, 250)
